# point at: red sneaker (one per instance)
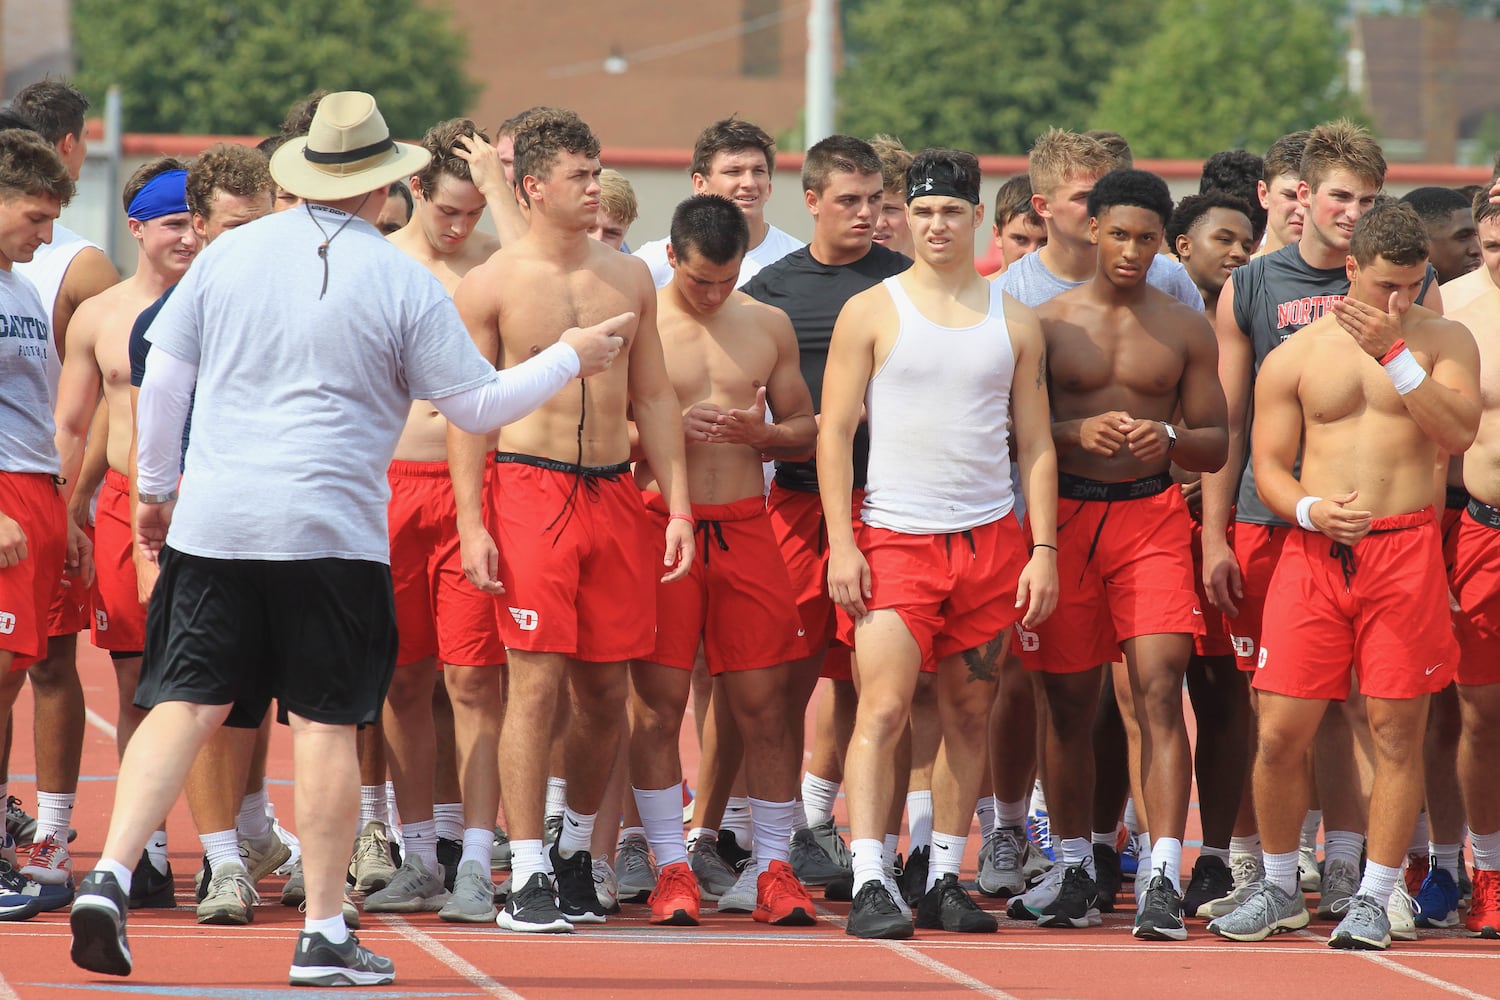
(1417, 866)
(1484, 909)
(782, 900)
(674, 901)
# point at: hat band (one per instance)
(348, 156)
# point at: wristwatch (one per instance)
(1171, 435)
(155, 498)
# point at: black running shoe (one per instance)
(1160, 919)
(947, 906)
(1211, 880)
(149, 888)
(98, 923)
(875, 915)
(577, 899)
(730, 850)
(532, 909)
(319, 962)
(1077, 902)
(449, 854)
(840, 890)
(913, 877)
(1107, 876)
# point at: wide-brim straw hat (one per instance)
(347, 152)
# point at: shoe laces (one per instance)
(1009, 842)
(781, 882)
(45, 851)
(674, 880)
(13, 809)
(240, 883)
(1358, 905)
(11, 879)
(1485, 892)
(1244, 868)
(603, 873)
(956, 895)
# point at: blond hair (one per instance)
(1342, 145)
(1060, 154)
(617, 197)
(894, 159)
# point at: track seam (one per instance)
(450, 958)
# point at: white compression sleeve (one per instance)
(166, 397)
(512, 393)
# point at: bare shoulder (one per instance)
(871, 304)
(1481, 315)
(763, 315)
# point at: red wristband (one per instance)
(682, 517)
(1396, 348)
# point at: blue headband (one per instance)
(164, 194)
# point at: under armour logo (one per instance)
(917, 189)
(526, 619)
(7, 623)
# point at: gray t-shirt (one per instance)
(301, 398)
(28, 379)
(1032, 284)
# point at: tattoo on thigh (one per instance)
(984, 660)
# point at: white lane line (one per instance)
(6, 993)
(100, 723)
(450, 958)
(1392, 965)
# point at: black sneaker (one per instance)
(947, 906)
(532, 909)
(449, 854)
(730, 850)
(913, 878)
(1160, 918)
(876, 915)
(319, 962)
(98, 923)
(149, 888)
(577, 899)
(1107, 876)
(1211, 880)
(1077, 902)
(840, 890)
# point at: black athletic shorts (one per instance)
(318, 635)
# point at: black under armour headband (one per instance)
(939, 180)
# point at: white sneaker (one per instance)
(1402, 913)
(1247, 870)
(1029, 905)
(743, 895)
(606, 887)
(49, 862)
(1309, 879)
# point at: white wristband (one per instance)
(1304, 512)
(1405, 372)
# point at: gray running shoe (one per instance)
(606, 885)
(811, 863)
(1267, 911)
(828, 837)
(413, 889)
(1030, 904)
(1000, 860)
(500, 851)
(1034, 864)
(473, 898)
(1247, 871)
(741, 897)
(231, 897)
(1365, 926)
(1340, 882)
(635, 872)
(715, 877)
(372, 866)
(319, 962)
(261, 860)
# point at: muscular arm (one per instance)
(1203, 442)
(658, 420)
(88, 274)
(95, 464)
(77, 399)
(794, 435)
(1036, 457)
(1277, 435)
(1446, 404)
(851, 361)
(1221, 572)
(467, 452)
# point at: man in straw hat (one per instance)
(274, 566)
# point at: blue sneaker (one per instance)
(1437, 902)
(1130, 856)
(1039, 832)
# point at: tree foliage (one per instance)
(986, 75)
(1194, 87)
(235, 66)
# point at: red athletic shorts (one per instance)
(736, 601)
(438, 611)
(1257, 548)
(1215, 639)
(119, 618)
(1453, 510)
(797, 520)
(32, 501)
(1381, 606)
(72, 606)
(954, 592)
(578, 558)
(1475, 580)
(1125, 569)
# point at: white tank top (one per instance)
(938, 411)
(49, 266)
